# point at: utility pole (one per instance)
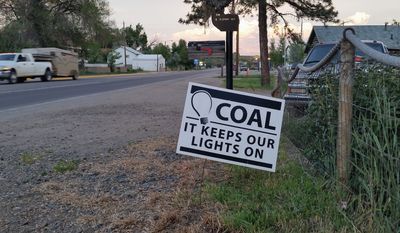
(157, 63)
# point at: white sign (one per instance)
(231, 127)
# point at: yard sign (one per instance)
(231, 127)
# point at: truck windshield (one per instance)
(320, 51)
(7, 57)
(317, 53)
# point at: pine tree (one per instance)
(321, 10)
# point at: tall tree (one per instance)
(277, 52)
(179, 56)
(263, 35)
(61, 23)
(321, 10)
(136, 37)
(162, 49)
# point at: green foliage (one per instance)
(162, 49)
(277, 53)
(290, 200)
(136, 38)
(179, 56)
(374, 180)
(65, 166)
(94, 54)
(296, 53)
(376, 146)
(111, 59)
(54, 23)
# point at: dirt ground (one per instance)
(126, 176)
(145, 188)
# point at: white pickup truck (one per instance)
(17, 67)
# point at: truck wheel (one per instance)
(20, 80)
(13, 78)
(75, 76)
(47, 76)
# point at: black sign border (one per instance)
(244, 99)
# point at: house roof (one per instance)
(150, 56)
(389, 34)
(142, 56)
(131, 50)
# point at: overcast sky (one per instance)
(160, 19)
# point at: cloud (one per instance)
(359, 18)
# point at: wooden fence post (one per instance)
(277, 92)
(347, 53)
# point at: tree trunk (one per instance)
(262, 27)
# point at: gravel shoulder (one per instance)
(99, 134)
(123, 173)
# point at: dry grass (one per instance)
(165, 191)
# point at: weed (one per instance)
(29, 158)
(65, 166)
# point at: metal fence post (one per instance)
(347, 53)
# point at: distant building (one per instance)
(388, 34)
(146, 62)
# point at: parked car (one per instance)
(299, 93)
(17, 67)
(243, 68)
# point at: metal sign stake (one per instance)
(229, 60)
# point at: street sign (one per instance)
(231, 127)
(196, 62)
(206, 49)
(226, 22)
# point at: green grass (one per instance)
(290, 200)
(28, 158)
(252, 82)
(373, 188)
(65, 166)
(82, 73)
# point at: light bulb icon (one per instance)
(202, 104)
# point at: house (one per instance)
(388, 34)
(138, 60)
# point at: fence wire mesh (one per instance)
(374, 183)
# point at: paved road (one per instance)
(14, 96)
